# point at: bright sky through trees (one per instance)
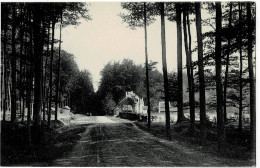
(106, 38)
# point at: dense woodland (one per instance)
(36, 74)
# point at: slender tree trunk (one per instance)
(24, 95)
(45, 96)
(189, 70)
(25, 75)
(189, 35)
(165, 73)
(2, 80)
(45, 76)
(13, 63)
(47, 101)
(29, 90)
(227, 64)
(5, 72)
(43, 93)
(191, 73)
(21, 90)
(28, 93)
(30, 79)
(38, 49)
(220, 115)
(58, 74)
(179, 58)
(43, 68)
(9, 87)
(201, 74)
(240, 73)
(50, 80)
(251, 78)
(147, 71)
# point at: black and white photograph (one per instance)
(128, 83)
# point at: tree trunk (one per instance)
(220, 116)
(5, 72)
(47, 101)
(147, 71)
(227, 64)
(58, 74)
(2, 78)
(179, 61)
(13, 63)
(43, 85)
(24, 97)
(21, 90)
(251, 79)
(38, 49)
(165, 73)
(30, 78)
(201, 74)
(240, 73)
(189, 72)
(50, 80)
(9, 87)
(45, 75)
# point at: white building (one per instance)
(132, 103)
(161, 107)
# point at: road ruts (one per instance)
(118, 142)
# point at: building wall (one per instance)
(138, 106)
(161, 107)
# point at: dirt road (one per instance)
(110, 141)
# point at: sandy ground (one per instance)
(110, 141)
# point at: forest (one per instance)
(222, 75)
(38, 76)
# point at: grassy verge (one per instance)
(236, 145)
(46, 143)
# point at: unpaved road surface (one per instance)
(110, 141)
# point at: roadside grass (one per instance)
(235, 147)
(47, 144)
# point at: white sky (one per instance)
(106, 38)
